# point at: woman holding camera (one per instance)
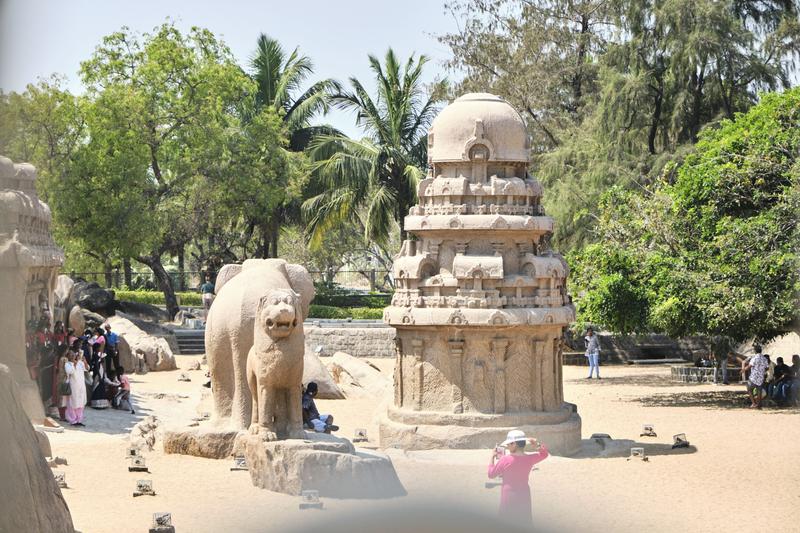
(515, 467)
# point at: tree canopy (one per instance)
(613, 90)
(715, 250)
(372, 181)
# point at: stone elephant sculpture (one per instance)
(258, 287)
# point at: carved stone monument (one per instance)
(255, 349)
(29, 263)
(480, 305)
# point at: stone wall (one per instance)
(359, 339)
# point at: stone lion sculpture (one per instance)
(275, 367)
(255, 345)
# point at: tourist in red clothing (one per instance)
(515, 467)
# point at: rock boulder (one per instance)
(321, 462)
(40, 506)
(76, 320)
(155, 351)
(314, 370)
(354, 374)
(91, 296)
(208, 443)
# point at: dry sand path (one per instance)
(743, 476)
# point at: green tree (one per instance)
(158, 108)
(652, 73)
(717, 248)
(279, 79)
(372, 181)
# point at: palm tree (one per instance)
(279, 77)
(372, 182)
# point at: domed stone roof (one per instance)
(475, 120)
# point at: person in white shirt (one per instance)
(592, 352)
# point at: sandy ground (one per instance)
(743, 473)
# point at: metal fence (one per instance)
(351, 280)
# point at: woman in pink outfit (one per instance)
(515, 468)
(75, 369)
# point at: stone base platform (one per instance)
(210, 443)
(322, 462)
(560, 432)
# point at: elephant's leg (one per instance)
(266, 412)
(295, 413)
(220, 365)
(252, 383)
(241, 402)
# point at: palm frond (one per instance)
(293, 72)
(265, 64)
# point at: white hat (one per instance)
(513, 436)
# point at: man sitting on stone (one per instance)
(311, 417)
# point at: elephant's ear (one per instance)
(225, 274)
(301, 282)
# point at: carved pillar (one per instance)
(456, 357)
(419, 373)
(547, 372)
(559, 369)
(499, 347)
(398, 372)
(537, 354)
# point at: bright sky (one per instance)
(42, 37)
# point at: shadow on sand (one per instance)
(644, 380)
(734, 398)
(615, 448)
(109, 421)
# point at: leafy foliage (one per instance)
(615, 91)
(716, 249)
(372, 182)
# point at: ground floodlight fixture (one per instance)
(239, 463)
(637, 453)
(648, 430)
(61, 479)
(138, 464)
(144, 487)
(680, 441)
(360, 435)
(309, 499)
(162, 519)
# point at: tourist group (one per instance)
(74, 371)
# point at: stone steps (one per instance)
(191, 341)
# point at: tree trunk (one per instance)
(181, 270)
(263, 251)
(165, 282)
(656, 119)
(107, 272)
(126, 272)
(275, 231)
(577, 79)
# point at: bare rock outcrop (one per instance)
(155, 351)
(210, 443)
(321, 462)
(314, 370)
(357, 377)
(31, 500)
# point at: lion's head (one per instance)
(278, 312)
